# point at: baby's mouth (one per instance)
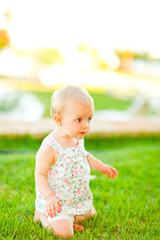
(82, 133)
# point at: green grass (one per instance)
(101, 101)
(128, 207)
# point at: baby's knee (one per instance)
(62, 227)
(67, 235)
(64, 234)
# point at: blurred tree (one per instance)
(4, 36)
(4, 39)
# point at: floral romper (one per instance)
(69, 179)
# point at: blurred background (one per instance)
(109, 47)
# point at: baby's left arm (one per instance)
(101, 167)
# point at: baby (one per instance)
(62, 174)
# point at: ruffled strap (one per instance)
(82, 147)
(51, 142)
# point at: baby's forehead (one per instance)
(78, 107)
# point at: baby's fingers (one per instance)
(57, 207)
(59, 204)
(113, 176)
(51, 211)
(114, 173)
(108, 172)
(53, 208)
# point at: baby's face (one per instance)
(76, 119)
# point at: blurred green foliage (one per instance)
(143, 55)
(7, 105)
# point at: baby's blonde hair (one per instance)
(67, 93)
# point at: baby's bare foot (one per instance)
(36, 217)
(78, 227)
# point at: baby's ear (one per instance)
(58, 119)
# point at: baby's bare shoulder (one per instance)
(46, 153)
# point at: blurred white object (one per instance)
(140, 106)
(20, 106)
(92, 177)
(13, 64)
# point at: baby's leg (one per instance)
(36, 216)
(91, 213)
(62, 227)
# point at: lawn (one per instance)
(128, 207)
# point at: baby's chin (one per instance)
(80, 136)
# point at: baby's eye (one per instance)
(78, 119)
(89, 119)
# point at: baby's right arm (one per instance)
(45, 157)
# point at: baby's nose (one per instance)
(86, 124)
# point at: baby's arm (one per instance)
(44, 159)
(101, 167)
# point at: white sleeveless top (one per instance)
(69, 179)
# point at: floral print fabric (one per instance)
(69, 179)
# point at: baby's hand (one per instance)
(52, 205)
(109, 171)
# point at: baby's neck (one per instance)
(63, 139)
